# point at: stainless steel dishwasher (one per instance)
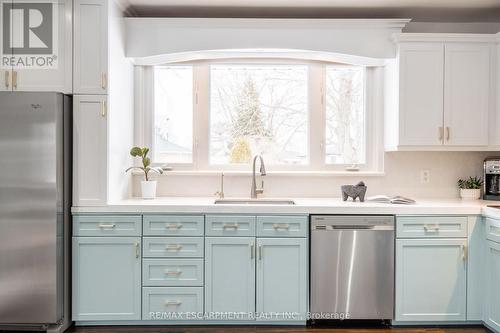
(352, 267)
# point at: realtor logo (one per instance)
(29, 34)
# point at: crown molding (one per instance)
(445, 37)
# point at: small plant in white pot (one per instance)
(148, 186)
(470, 189)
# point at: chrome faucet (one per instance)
(220, 193)
(255, 190)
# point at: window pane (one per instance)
(258, 109)
(345, 115)
(173, 114)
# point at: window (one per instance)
(300, 115)
(173, 114)
(256, 109)
(345, 115)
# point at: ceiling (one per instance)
(418, 10)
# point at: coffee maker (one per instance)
(492, 178)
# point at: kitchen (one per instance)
(263, 166)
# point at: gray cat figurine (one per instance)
(354, 191)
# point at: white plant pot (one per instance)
(470, 194)
(148, 189)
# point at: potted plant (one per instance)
(148, 187)
(470, 189)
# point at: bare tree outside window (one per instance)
(345, 115)
(259, 109)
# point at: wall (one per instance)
(402, 177)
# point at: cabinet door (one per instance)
(282, 278)
(466, 94)
(421, 94)
(90, 47)
(230, 275)
(492, 292)
(431, 279)
(89, 151)
(106, 278)
(56, 74)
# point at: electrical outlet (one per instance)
(425, 176)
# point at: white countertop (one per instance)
(302, 206)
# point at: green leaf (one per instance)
(146, 161)
(145, 151)
(136, 151)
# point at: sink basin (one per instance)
(254, 202)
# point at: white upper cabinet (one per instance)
(467, 93)
(421, 93)
(56, 76)
(90, 150)
(90, 47)
(441, 94)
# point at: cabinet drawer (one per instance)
(173, 225)
(282, 226)
(431, 227)
(108, 225)
(493, 230)
(230, 225)
(184, 301)
(172, 272)
(173, 247)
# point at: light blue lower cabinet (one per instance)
(431, 279)
(282, 271)
(230, 276)
(106, 278)
(172, 272)
(172, 303)
(492, 289)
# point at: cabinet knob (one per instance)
(278, 226)
(230, 226)
(104, 81)
(104, 109)
(173, 225)
(14, 79)
(447, 133)
(173, 247)
(441, 133)
(172, 302)
(7, 79)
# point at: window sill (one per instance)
(323, 173)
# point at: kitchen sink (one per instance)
(254, 202)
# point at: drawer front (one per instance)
(172, 272)
(282, 226)
(183, 301)
(230, 225)
(107, 225)
(431, 227)
(173, 225)
(172, 247)
(493, 230)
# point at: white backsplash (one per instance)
(402, 177)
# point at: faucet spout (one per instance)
(255, 191)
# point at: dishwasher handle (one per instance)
(352, 227)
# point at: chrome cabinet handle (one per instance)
(14, 79)
(252, 251)
(7, 79)
(441, 133)
(435, 228)
(230, 226)
(278, 226)
(464, 252)
(447, 133)
(109, 226)
(104, 109)
(104, 80)
(173, 247)
(173, 225)
(137, 250)
(173, 302)
(260, 252)
(176, 273)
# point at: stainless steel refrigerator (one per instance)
(35, 157)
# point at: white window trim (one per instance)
(316, 148)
